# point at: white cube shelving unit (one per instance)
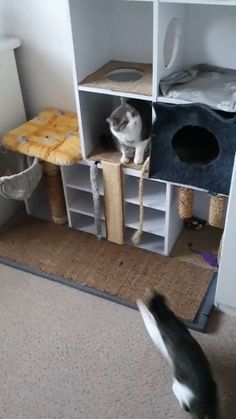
(165, 35)
(161, 223)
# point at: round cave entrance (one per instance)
(195, 145)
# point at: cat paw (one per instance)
(138, 161)
(124, 160)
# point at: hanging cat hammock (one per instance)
(19, 182)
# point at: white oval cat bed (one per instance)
(21, 182)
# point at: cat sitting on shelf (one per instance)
(130, 125)
(193, 384)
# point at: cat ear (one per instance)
(112, 120)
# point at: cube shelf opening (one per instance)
(150, 242)
(95, 109)
(82, 202)
(201, 34)
(154, 193)
(85, 223)
(112, 30)
(78, 177)
(154, 220)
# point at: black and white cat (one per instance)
(193, 384)
(131, 124)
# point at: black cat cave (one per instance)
(193, 145)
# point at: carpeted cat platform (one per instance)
(119, 273)
(113, 156)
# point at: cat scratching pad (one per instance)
(113, 197)
(193, 145)
(53, 138)
(122, 76)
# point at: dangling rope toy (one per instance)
(96, 199)
(138, 234)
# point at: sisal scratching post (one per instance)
(113, 197)
(52, 176)
(216, 211)
(185, 202)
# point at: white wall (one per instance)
(11, 114)
(226, 286)
(211, 35)
(132, 31)
(45, 59)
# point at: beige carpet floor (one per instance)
(69, 355)
(121, 271)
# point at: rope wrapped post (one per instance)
(53, 182)
(185, 202)
(216, 210)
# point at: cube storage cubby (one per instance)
(112, 30)
(195, 32)
(94, 109)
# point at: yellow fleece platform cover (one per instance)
(52, 136)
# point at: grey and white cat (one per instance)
(193, 384)
(131, 124)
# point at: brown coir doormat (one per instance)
(121, 271)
